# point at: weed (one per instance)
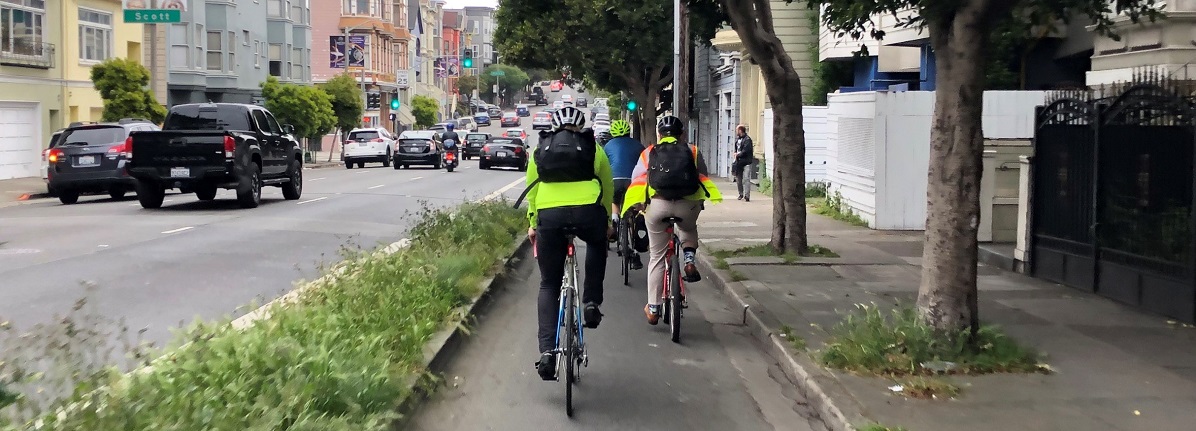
(835, 207)
(737, 276)
(721, 263)
(879, 427)
(923, 387)
(795, 340)
(820, 251)
(817, 189)
(898, 343)
(758, 250)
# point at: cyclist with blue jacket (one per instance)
(623, 151)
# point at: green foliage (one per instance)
(425, 109)
(337, 359)
(899, 343)
(466, 85)
(307, 108)
(347, 101)
(828, 76)
(834, 207)
(879, 427)
(537, 75)
(514, 79)
(123, 84)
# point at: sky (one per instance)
(458, 4)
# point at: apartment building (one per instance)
(479, 22)
(385, 70)
(47, 49)
(222, 51)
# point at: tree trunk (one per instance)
(644, 95)
(947, 295)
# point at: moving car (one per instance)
(601, 126)
(46, 163)
(515, 133)
(523, 111)
(511, 152)
(494, 112)
(370, 144)
(473, 144)
(88, 158)
(542, 121)
(582, 102)
(509, 119)
(203, 147)
(567, 98)
(467, 124)
(440, 128)
(418, 147)
(482, 119)
(558, 104)
(537, 96)
(556, 86)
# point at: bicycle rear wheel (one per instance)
(674, 299)
(569, 349)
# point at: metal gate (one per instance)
(1113, 194)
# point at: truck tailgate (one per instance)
(178, 148)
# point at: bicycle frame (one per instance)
(569, 283)
(670, 255)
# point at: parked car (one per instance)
(467, 124)
(510, 119)
(515, 133)
(54, 140)
(542, 121)
(494, 112)
(366, 145)
(523, 111)
(482, 119)
(582, 102)
(473, 144)
(419, 147)
(91, 158)
(504, 152)
(203, 147)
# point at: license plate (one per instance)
(85, 160)
(180, 172)
(413, 150)
(502, 154)
(362, 144)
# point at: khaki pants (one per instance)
(658, 237)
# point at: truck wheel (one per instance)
(292, 189)
(205, 193)
(386, 161)
(68, 197)
(150, 194)
(249, 192)
(117, 192)
(348, 165)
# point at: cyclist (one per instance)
(671, 178)
(623, 152)
(569, 192)
(451, 140)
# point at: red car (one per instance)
(556, 86)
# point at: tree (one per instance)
(308, 109)
(620, 45)
(346, 102)
(466, 85)
(512, 81)
(425, 109)
(123, 84)
(960, 32)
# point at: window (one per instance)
(363, 7)
(215, 51)
(22, 29)
(274, 7)
(232, 50)
(275, 52)
(259, 117)
(245, 37)
(180, 49)
(95, 35)
(199, 52)
(297, 64)
(297, 11)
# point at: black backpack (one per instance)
(565, 157)
(672, 171)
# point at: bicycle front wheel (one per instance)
(674, 300)
(569, 351)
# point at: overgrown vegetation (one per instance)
(765, 250)
(873, 342)
(879, 427)
(835, 207)
(828, 76)
(339, 358)
(927, 388)
(765, 179)
(795, 340)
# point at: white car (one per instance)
(601, 126)
(558, 104)
(567, 98)
(370, 144)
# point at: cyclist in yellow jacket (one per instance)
(671, 177)
(570, 191)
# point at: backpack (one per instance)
(565, 157)
(672, 171)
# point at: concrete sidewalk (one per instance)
(1115, 368)
(21, 189)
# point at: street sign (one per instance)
(153, 16)
(402, 78)
(498, 73)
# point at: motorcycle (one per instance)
(450, 158)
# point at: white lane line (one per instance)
(178, 230)
(311, 200)
(416, 178)
(318, 179)
(499, 192)
(362, 172)
(374, 187)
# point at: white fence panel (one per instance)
(766, 128)
(818, 134)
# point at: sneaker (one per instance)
(690, 272)
(636, 263)
(747, 199)
(653, 313)
(740, 197)
(593, 315)
(546, 366)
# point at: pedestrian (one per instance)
(744, 157)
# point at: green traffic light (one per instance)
(631, 105)
(394, 103)
(468, 62)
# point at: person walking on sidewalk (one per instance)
(671, 177)
(744, 156)
(623, 152)
(569, 193)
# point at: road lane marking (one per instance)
(311, 200)
(363, 171)
(178, 230)
(499, 192)
(318, 179)
(374, 187)
(416, 178)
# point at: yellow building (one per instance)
(94, 31)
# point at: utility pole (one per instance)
(680, 62)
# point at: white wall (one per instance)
(818, 136)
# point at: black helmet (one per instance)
(670, 126)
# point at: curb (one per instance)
(439, 350)
(814, 383)
(322, 165)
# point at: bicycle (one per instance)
(624, 245)
(570, 347)
(673, 293)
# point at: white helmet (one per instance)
(568, 116)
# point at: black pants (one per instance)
(588, 223)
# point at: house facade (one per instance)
(382, 25)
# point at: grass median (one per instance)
(340, 357)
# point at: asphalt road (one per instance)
(637, 379)
(160, 268)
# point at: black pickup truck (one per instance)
(205, 147)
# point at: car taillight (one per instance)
(45, 152)
(518, 150)
(122, 149)
(230, 145)
(485, 148)
(54, 155)
(376, 140)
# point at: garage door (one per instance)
(20, 140)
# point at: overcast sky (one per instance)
(458, 4)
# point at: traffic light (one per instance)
(373, 101)
(631, 105)
(394, 103)
(467, 59)
(393, 116)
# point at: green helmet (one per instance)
(620, 128)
